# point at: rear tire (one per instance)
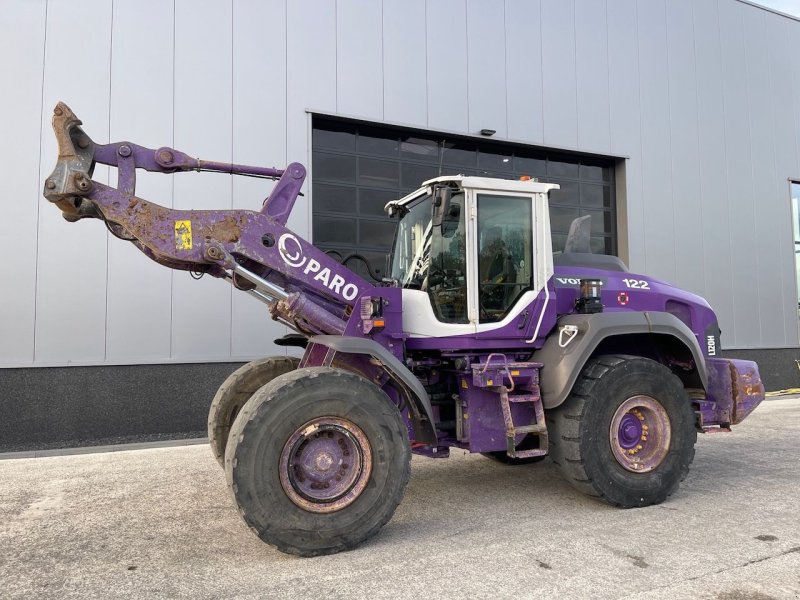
(318, 461)
(235, 391)
(626, 433)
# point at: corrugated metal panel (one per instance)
(791, 170)
(558, 73)
(138, 316)
(686, 191)
(201, 310)
(524, 92)
(738, 147)
(701, 99)
(763, 195)
(656, 146)
(72, 259)
(486, 66)
(591, 67)
(625, 117)
(359, 58)
(259, 138)
(713, 192)
(310, 84)
(405, 85)
(780, 111)
(21, 62)
(447, 65)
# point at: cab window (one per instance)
(505, 242)
(446, 282)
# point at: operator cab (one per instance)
(471, 253)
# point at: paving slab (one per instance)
(160, 523)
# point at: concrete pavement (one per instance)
(160, 523)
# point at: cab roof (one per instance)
(482, 183)
(492, 183)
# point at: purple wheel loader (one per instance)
(480, 338)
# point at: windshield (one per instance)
(412, 243)
(433, 259)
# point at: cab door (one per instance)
(506, 296)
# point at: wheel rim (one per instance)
(640, 434)
(325, 464)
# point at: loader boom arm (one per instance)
(303, 286)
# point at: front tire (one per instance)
(626, 433)
(318, 461)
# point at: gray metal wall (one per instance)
(703, 96)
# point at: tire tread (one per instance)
(290, 385)
(568, 419)
(236, 390)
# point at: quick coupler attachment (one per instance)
(71, 179)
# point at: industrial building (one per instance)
(675, 124)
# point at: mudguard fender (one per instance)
(563, 359)
(407, 384)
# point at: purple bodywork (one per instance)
(489, 374)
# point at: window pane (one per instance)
(413, 174)
(495, 161)
(334, 136)
(795, 189)
(334, 167)
(460, 154)
(561, 218)
(421, 149)
(376, 233)
(595, 195)
(557, 168)
(381, 173)
(533, 167)
(374, 141)
(334, 230)
(371, 202)
(601, 221)
(447, 274)
(334, 198)
(594, 172)
(568, 194)
(559, 242)
(602, 245)
(505, 248)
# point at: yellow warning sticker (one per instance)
(464, 384)
(183, 235)
(514, 373)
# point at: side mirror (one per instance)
(441, 204)
(450, 220)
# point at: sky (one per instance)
(790, 7)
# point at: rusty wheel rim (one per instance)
(325, 464)
(640, 434)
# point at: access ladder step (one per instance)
(496, 372)
(528, 453)
(525, 397)
(538, 428)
